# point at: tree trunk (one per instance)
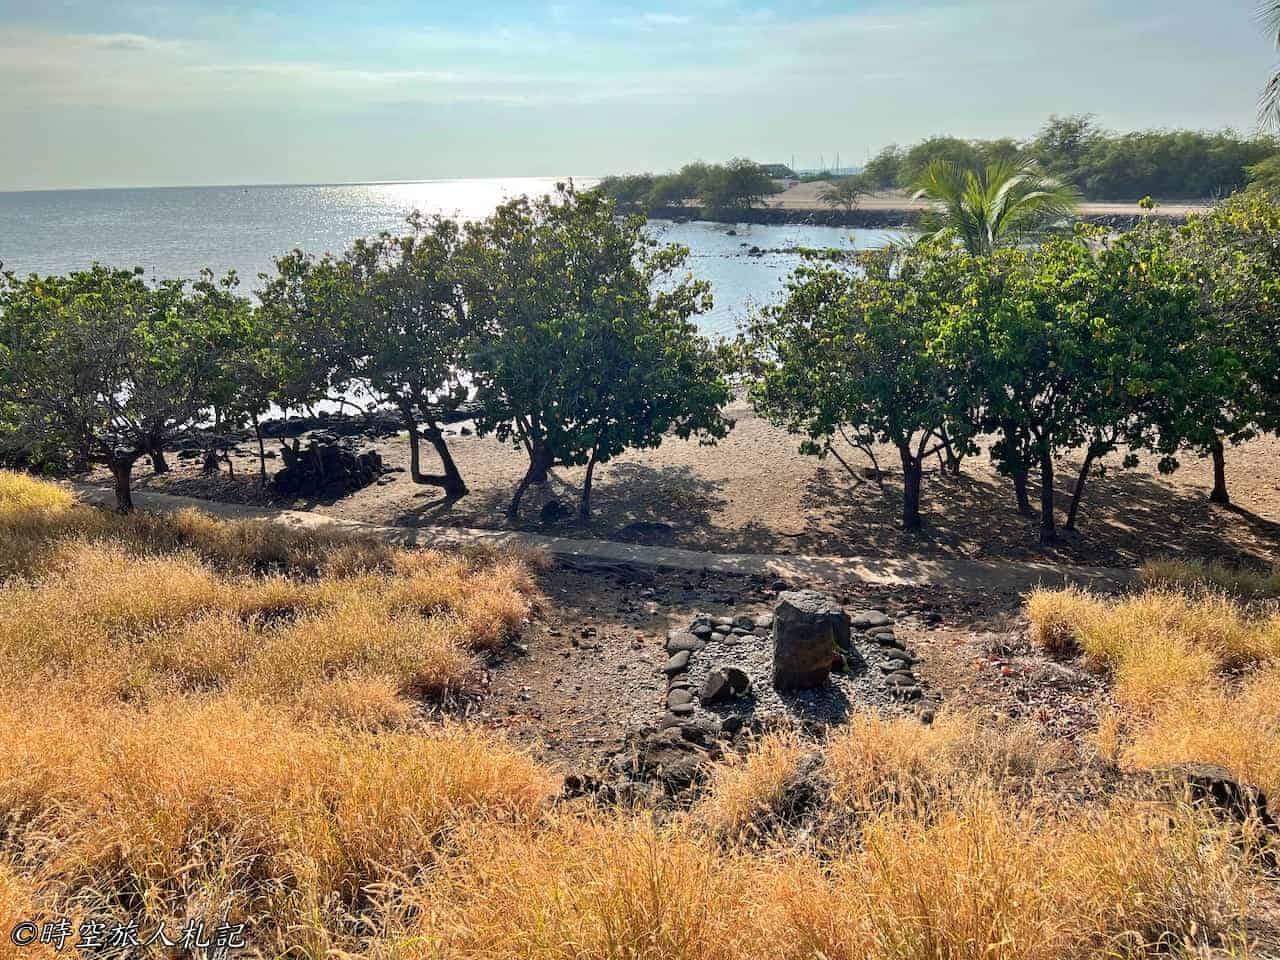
(122, 472)
(1219, 494)
(1078, 492)
(158, 462)
(1020, 492)
(454, 487)
(584, 505)
(262, 451)
(415, 455)
(1048, 527)
(953, 460)
(539, 464)
(912, 469)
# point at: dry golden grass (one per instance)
(1198, 575)
(223, 803)
(199, 717)
(978, 881)
(1175, 657)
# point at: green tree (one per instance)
(405, 332)
(1003, 204)
(737, 185)
(847, 355)
(844, 193)
(1063, 145)
(1221, 382)
(1266, 175)
(586, 344)
(1056, 345)
(960, 153)
(883, 171)
(105, 365)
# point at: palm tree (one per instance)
(1270, 16)
(1003, 204)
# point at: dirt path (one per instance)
(754, 493)
(958, 574)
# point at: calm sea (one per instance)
(174, 232)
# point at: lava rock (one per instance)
(806, 628)
(678, 663)
(723, 683)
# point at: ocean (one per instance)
(175, 231)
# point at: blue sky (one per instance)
(230, 91)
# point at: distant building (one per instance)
(778, 171)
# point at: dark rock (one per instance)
(678, 640)
(642, 528)
(679, 697)
(806, 627)
(731, 724)
(1209, 785)
(678, 663)
(745, 622)
(701, 630)
(324, 469)
(553, 511)
(866, 619)
(723, 683)
(895, 665)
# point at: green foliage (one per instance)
(1222, 375)
(847, 355)
(884, 170)
(738, 184)
(106, 367)
(1266, 175)
(962, 154)
(1002, 204)
(396, 326)
(587, 345)
(845, 192)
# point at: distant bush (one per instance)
(1166, 164)
(738, 184)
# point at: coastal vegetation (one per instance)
(572, 331)
(1104, 166)
(718, 189)
(244, 726)
(1160, 340)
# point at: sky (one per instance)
(173, 92)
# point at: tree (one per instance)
(1063, 145)
(405, 331)
(1003, 204)
(883, 171)
(1221, 384)
(737, 185)
(844, 193)
(917, 159)
(1056, 344)
(848, 354)
(105, 365)
(586, 345)
(1266, 175)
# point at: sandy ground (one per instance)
(805, 196)
(754, 492)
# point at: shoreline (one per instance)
(885, 218)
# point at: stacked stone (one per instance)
(877, 628)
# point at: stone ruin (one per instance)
(808, 629)
(324, 469)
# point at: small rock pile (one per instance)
(325, 469)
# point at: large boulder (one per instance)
(807, 626)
